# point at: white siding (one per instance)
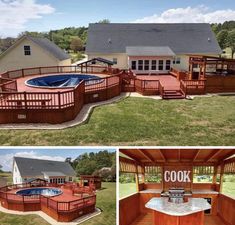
(17, 179)
(15, 58)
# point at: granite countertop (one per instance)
(204, 191)
(178, 209)
(151, 191)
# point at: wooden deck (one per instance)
(168, 81)
(146, 219)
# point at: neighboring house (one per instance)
(147, 48)
(52, 171)
(29, 52)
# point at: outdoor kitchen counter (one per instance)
(181, 209)
(191, 212)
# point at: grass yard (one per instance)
(106, 201)
(141, 121)
(9, 219)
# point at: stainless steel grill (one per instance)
(176, 195)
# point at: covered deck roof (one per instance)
(161, 156)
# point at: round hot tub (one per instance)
(63, 80)
(40, 191)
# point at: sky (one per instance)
(59, 154)
(44, 15)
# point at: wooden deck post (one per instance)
(137, 178)
(59, 101)
(221, 178)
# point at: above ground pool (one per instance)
(40, 191)
(63, 81)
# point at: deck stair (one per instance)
(173, 94)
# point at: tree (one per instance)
(104, 21)
(231, 41)
(76, 44)
(222, 38)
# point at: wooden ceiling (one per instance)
(154, 156)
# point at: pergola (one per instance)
(89, 180)
(200, 66)
(140, 159)
(201, 162)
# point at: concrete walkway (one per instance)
(82, 117)
(49, 219)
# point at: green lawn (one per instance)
(9, 219)
(142, 121)
(106, 201)
(126, 189)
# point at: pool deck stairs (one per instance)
(173, 94)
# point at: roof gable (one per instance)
(182, 38)
(36, 167)
(44, 43)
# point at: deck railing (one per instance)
(58, 69)
(58, 206)
(147, 87)
(193, 86)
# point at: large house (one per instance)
(25, 169)
(28, 52)
(151, 48)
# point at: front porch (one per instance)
(146, 219)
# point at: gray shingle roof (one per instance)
(182, 38)
(35, 167)
(53, 174)
(50, 47)
(149, 51)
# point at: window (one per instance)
(133, 65)
(140, 64)
(228, 184)
(115, 61)
(176, 60)
(203, 174)
(70, 179)
(27, 50)
(154, 65)
(168, 64)
(153, 174)
(160, 65)
(127, 184)
(146, 64)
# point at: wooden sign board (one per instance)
(177, 176)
